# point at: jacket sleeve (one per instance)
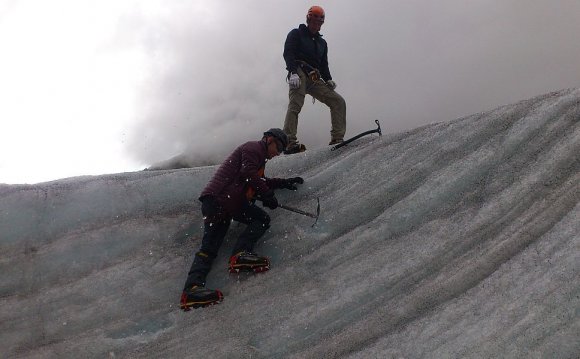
(250, 171)
(275, 183)
(290, 50)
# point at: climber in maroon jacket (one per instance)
(231, 194)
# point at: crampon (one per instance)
(248, 262)
(199, 297)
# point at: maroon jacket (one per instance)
(240, 177)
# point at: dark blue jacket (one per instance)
(302, 45)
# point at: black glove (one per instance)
(289, 183)
(269, 200)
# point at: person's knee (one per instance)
(296, 101)
(337, 102)
(261, 224)
(295, 107)
(264, 221)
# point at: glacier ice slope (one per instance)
(457, 239)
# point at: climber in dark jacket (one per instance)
(231, 194)
(306, 57)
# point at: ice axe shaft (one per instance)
(344, 143)
(304, 213)
(296, 210)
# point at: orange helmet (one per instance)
(315, 12)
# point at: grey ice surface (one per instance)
(458, 239)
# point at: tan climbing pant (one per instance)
(322, 93)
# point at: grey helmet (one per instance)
(279, 134)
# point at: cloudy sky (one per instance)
(94, 87)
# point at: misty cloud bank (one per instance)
(456, 239)
(216, 75)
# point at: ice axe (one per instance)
(304, 213)
(344, 143)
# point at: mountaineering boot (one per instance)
(199, 297)
(336, 141)
(294, 148)
(248, 262)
